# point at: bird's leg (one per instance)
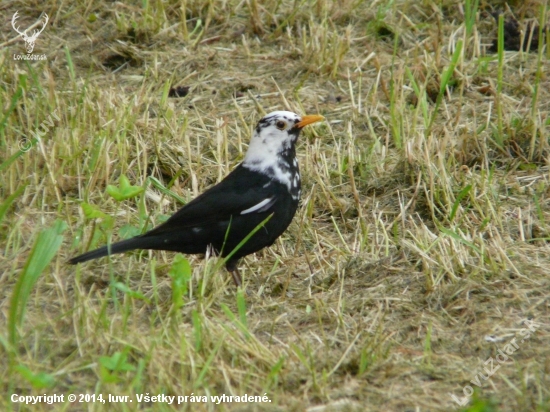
(236, 277)
(231, 266)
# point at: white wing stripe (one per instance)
(257, 207)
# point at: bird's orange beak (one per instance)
(309, 120)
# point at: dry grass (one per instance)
(422, 243)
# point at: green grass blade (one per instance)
(459, 238)
(470, 12)
(207, 364)
(420, 95)
(157, 184)
(70, 64)
(181, 273)
(445, 79)
(46, 246)
(197, 329)
(15, 98)
(243, 328)
(463, 193)
(6, 163)
(9, 201)
(247, 238)
(241, 307)
(499, 138)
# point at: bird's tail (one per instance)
(118, 247)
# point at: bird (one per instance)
(264, 188)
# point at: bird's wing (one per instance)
(241, 192)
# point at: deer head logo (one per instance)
(29, 39)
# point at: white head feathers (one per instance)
(274, 134)
(271, 150)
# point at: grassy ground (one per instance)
(420, 250)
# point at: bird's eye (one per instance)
(280, 125)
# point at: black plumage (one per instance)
(266, 184)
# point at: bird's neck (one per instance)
(288, 155)
(282, 167)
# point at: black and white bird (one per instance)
(266, 184)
